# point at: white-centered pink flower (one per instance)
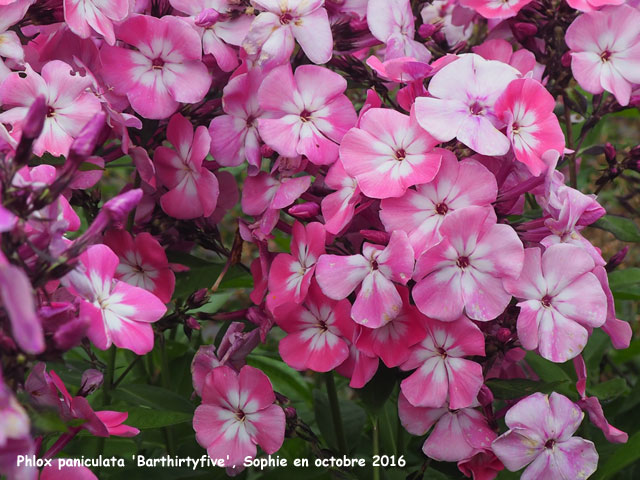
(10, 44)
(526, 107)
(388, 152)
(420, 212)
(119, 313)
(87, 16)
(338, 208)
(442, 374)
(306, 113)
(465, 271)
(163, 70)
(237, 413)
(193, 189)
(590, 5)
(496, 8)
(560, 299)
(540, 435)
(375, 271)
(463, 94)
(605, 50)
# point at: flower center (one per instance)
(51, 112)
(515, 128)
(250, 121)
(442, 352)
(305, 116)
(285, 18)
(400, 154)
(546, 301)
(550, 443)
(605, 56)
(442, 209)
(157, 63)
(462, 262)
(476, 108)
(240, 415)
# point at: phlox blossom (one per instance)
(87, 16)
(496, 8)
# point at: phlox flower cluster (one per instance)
(392, 178)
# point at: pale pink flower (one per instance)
(164, 70)
(392, 22)
(338, 208)
(457, 434)
(605, 50)
(219, 25)
(442, 374)
(377, 301)
(87, 16)
(388, 152)
(420, 212)
(540, 435)
(193, 189)
(10, 44)
(237, 413)
(522, 60)
(466, 269)
(440, 13)
(526, 107)
(234, 136)
(463, 94)
(318, 332)
(619, 330)
(143, 262)
(560, 299)
(305, 113)
(70, 105)
(119, 313)
(271, 36)
(590, 5)
(496, 8)
(290, 275)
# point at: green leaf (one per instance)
(622, 228)
(626, 355)
(88, 166)
(285, 379)
(144, 418)
(625, 284)
(609, 390)
(623, 456)
(546, 370)
(353, 416)
(376, 392)
(519, 387)
(153, 397)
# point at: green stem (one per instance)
(165, 377)
(107, 385)
(335, 412)
(127, 370)
(375, 431)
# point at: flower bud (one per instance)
(304, 211)
(566, 60)
(376, 236)
(503, 335)
(522, 30)
(119, 207)
(198, 298)
(34, 121)
(91, 381)
(485, 396)
(616, 259)
(426, 30)
(85, 143)
(192, 323)
(207, 18)
(266, 151)
(610, 153)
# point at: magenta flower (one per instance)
(377, 301)
(442, 374)
(590, 5)
(290, 275)
(193, 189)
(420, 212)
(466, 269)
(389, 152)
(70, 105)
(540, 435)
(457, 434)
(392, 22)
(463, 94)
(305, 113)
(164, 69)
(560, 299)
(143, 262)
(496, 8)
(338, 208)
(119, 313)
(318, 332)
(605, 51)
(272, 33)
(526, 107)
(237, 413)
(87, 16)
(234, 136)
(392, 342)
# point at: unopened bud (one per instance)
(85, 143)
(91, 381)
(376, 236)
(616, 259)
(503, 335)
(198, 298)
(566, 60)
(207, 18)
(192, 323)
(485, 396)
(522, 30)
(426, 30)
(266, 151)
(34, 121)
(610, 153)
(304, 211)
(119, 207)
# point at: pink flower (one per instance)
(590, 5)
(392, 22)
(272, 33)
(526, 107)
(338, 208)
(389, 152)
(83, 16)
(193, 189)
(540, 435)
(119, 313)
(605, 50)
(463, 94)
(442, 374)
(164, 69)
(234, 136)
(305, 113)
(10, 44)
(523, 60)
(237, 413)
(70, 105)
(143, 262)
(359, 367)
(219, 25)
(496, 8)
(392, 342)
(466, 269)
(441, 13)
(290, 275)
(378, 301)
(318, 332)
(457, 434)
(560, 299)
(420, 212)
